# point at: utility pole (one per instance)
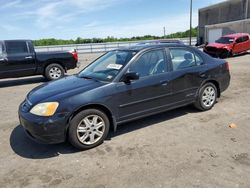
(247, 4)
(164, 32)
(191, 17)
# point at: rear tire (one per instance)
(54, 71)
(207, 97)
(88, 129)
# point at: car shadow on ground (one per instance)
(27, 148)
(22, 145)
(21, 81)
(241, 54)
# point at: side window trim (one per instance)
(169, 60)
(27, 46)
(198, 55)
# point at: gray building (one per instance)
(231, 16)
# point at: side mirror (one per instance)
(129, 76)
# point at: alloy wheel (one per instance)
(208, 96)
(91, 129)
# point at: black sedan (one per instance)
(120, 86)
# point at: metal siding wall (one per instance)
(230, 28)
(248, 13)
(228, 11)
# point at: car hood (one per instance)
(67, 86)
(217, 45)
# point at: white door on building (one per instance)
(214, 34)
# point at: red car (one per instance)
(229, 45)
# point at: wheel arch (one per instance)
(217, 85)
(100, 107)
(54, 62)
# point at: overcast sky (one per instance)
(68, 19)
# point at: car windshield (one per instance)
(225, 40)
(107, 66)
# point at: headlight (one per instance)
(45, 109)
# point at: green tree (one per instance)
(79, 40)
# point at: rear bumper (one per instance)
(72, 65)
(225, 82)
(49, 130)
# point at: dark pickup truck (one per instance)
(18, 59)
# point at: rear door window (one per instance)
(17, 47)
(239, 40)
(183, 58)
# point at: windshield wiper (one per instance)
(87, 77)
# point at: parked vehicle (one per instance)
(120, 86)
(229, 45)
(162, 41)
(18, 58)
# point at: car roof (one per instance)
(141, 47)
(17, 40)
(161, 41)
(235, 35)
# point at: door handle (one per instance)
(164, 83)
(3, 59)
(28, 57)
(202, 75)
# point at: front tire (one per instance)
(224, 54)
(88, 129)
(54, 71)
(207, 97)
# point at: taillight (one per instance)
(75, 55)
(227, 66)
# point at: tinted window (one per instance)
(182, 58)
(245, 38)
(16, 47)
(150, 63)
(239, 40)
(225, 40)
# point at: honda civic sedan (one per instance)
(121, 86)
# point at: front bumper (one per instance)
(49, 130)
(213, 54)
(225, 82)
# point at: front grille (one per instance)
(211, 49)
